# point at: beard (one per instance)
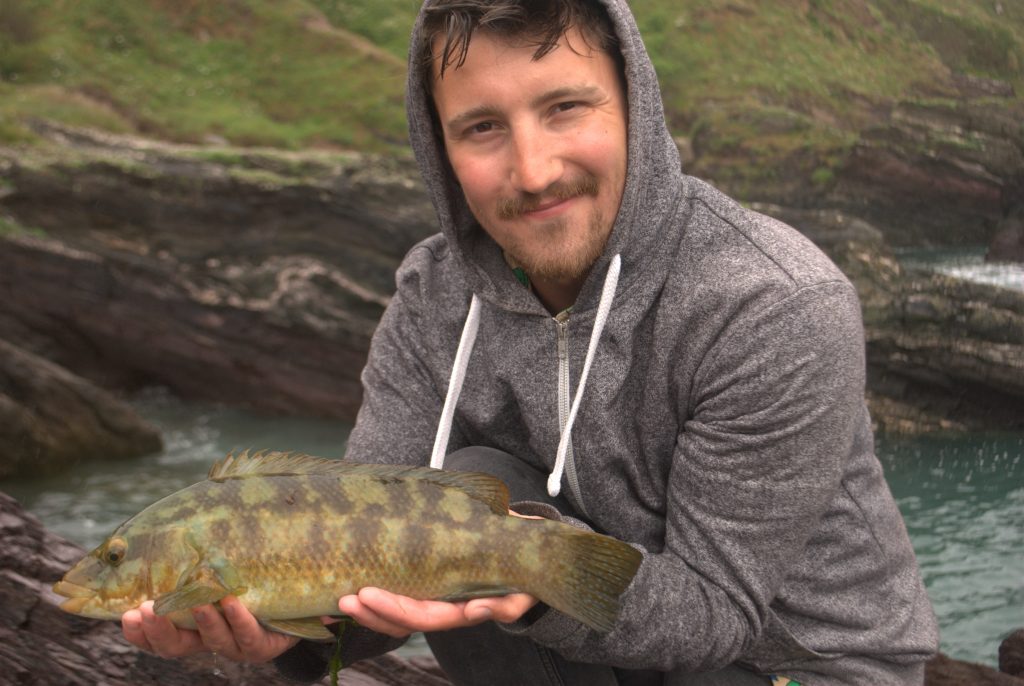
(563, 252)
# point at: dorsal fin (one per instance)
(269, 463)
(477, 485)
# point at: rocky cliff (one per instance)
(257, 277)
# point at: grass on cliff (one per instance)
(253, 72)
(746, 78)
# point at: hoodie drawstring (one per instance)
(444, 427)
(611, 280)
(469, 331)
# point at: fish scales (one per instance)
(290, 534)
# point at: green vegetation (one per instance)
(9, 227)
(252, 72)
(778, 80)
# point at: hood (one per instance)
(652, 187)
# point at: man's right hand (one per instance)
(236, 634)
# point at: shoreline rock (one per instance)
(51, 418)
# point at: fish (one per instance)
(289, 534)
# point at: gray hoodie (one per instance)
(722, 428)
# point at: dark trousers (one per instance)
(485, 655)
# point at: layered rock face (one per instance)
(257, 278)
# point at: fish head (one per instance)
(126, 570)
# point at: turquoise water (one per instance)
(962, 497)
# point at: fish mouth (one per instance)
(72, 591)
(86, 602)
(78, 597)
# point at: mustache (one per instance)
(510, 208)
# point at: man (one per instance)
(686, 375)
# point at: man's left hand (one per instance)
(399, 616)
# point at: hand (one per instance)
(236, 635)
(399, 616)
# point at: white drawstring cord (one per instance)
(444, 427)
(611, 280)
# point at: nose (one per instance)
(536, 162)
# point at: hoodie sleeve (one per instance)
(402, 397)
(754, 469)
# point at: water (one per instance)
(87, 502)
(965, 263)
(962, 497)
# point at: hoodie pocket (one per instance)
(777, 649)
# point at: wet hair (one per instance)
(536, 23)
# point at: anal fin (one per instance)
(478, 592)
(305, 627)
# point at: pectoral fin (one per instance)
(307, 627)
(201, 588)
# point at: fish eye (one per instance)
(115, 551)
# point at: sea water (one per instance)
(962, 497)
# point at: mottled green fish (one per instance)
(290, 534)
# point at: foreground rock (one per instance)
(945, 671)
(41, 645)
(51, 418)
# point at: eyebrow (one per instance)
(484, 111)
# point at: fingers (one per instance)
(131, 625)
(505, 609)
(157, 634)
(399, 616)
(215, 633)
(254, 643)
(236, 635)
(378, 611)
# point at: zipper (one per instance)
(564, 406)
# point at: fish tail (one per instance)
(589, 573)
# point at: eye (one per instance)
(566, 106)
(115, 551)
(481, 127)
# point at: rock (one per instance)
(943, 354)
(51, 418)
(41, 645)
(250, 277)
(935, 173)
(1008, 243)
(256, 278)
(1011, 654)
(945, 671)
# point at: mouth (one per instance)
(549, 208)
(78, 597)
(73, 591)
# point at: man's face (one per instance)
(539, 148)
